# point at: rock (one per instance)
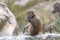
(37, 37)
(44, 37)
(8, 22)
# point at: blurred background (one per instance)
(42, 7)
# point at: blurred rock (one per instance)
(44, 37)
(8, 22)
(37, 37)
(7, 1)
(21, 2)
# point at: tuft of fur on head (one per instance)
(31, 10)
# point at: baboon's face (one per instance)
(30, 15)
(56, 8)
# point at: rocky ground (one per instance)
(46, 36)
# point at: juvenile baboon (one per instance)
(34, 25)
(56, 8)
(48, 28)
